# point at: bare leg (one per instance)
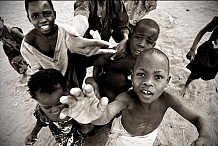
(189, 80)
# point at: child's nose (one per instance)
(42, 19)
(148, 82)
(143, 44)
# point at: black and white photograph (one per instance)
(109, 73)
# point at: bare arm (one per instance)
(112, 110)
(121, 47)
(192, 50)
(200, 123)
(31, 138)
(81, 24)
(16, 32)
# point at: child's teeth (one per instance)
(44, 27)
(147, 92)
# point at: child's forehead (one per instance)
(146, 31)
(143, 27)
(36, 5)
(151, 59)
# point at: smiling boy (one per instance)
(49, 45)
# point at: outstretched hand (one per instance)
(88, 47)
(84, 106)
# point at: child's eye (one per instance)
(47, 107)
(47, 13)
(34, 16)
(149, 42)
(139, 38)
(140, 74)
(158, 77)
(58, 104)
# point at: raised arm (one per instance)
(112, 110)
(203, 128)
(87, 47)
(208, 28)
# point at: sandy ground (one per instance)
(179, 21)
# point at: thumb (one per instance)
(106, 51)
(64, 113)
(103, 104)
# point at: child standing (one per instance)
(111, 76)
(51, 46)
(204, 64)
(143, 107)
(11, 39)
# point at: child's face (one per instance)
(50, 103)
(142, 38)
(41, 15)
(150, 77)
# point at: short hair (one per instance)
(147, 22)
(28, 1)
(150, 52)
(46, 81)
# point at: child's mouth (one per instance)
(45, 27)
(146, 92)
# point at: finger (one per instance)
(106, 51)
(64, 99)
(70, 100)
(89, 90)
(77, 93)
(93, 42)
(103, 104)
(64, 113)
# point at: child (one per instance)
(51, 46)
(205, 64)
(111, 76)
(143, 107)
(109, 18)
(47, 87)
(11, 39)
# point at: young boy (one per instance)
(47, 86)
(111, 76)
(11, 39)
(204, 64)
(51, 46)
(143, 107)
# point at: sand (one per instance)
(179, 21)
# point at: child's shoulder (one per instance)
(169, 98)
(30, 36)
(125, 97)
